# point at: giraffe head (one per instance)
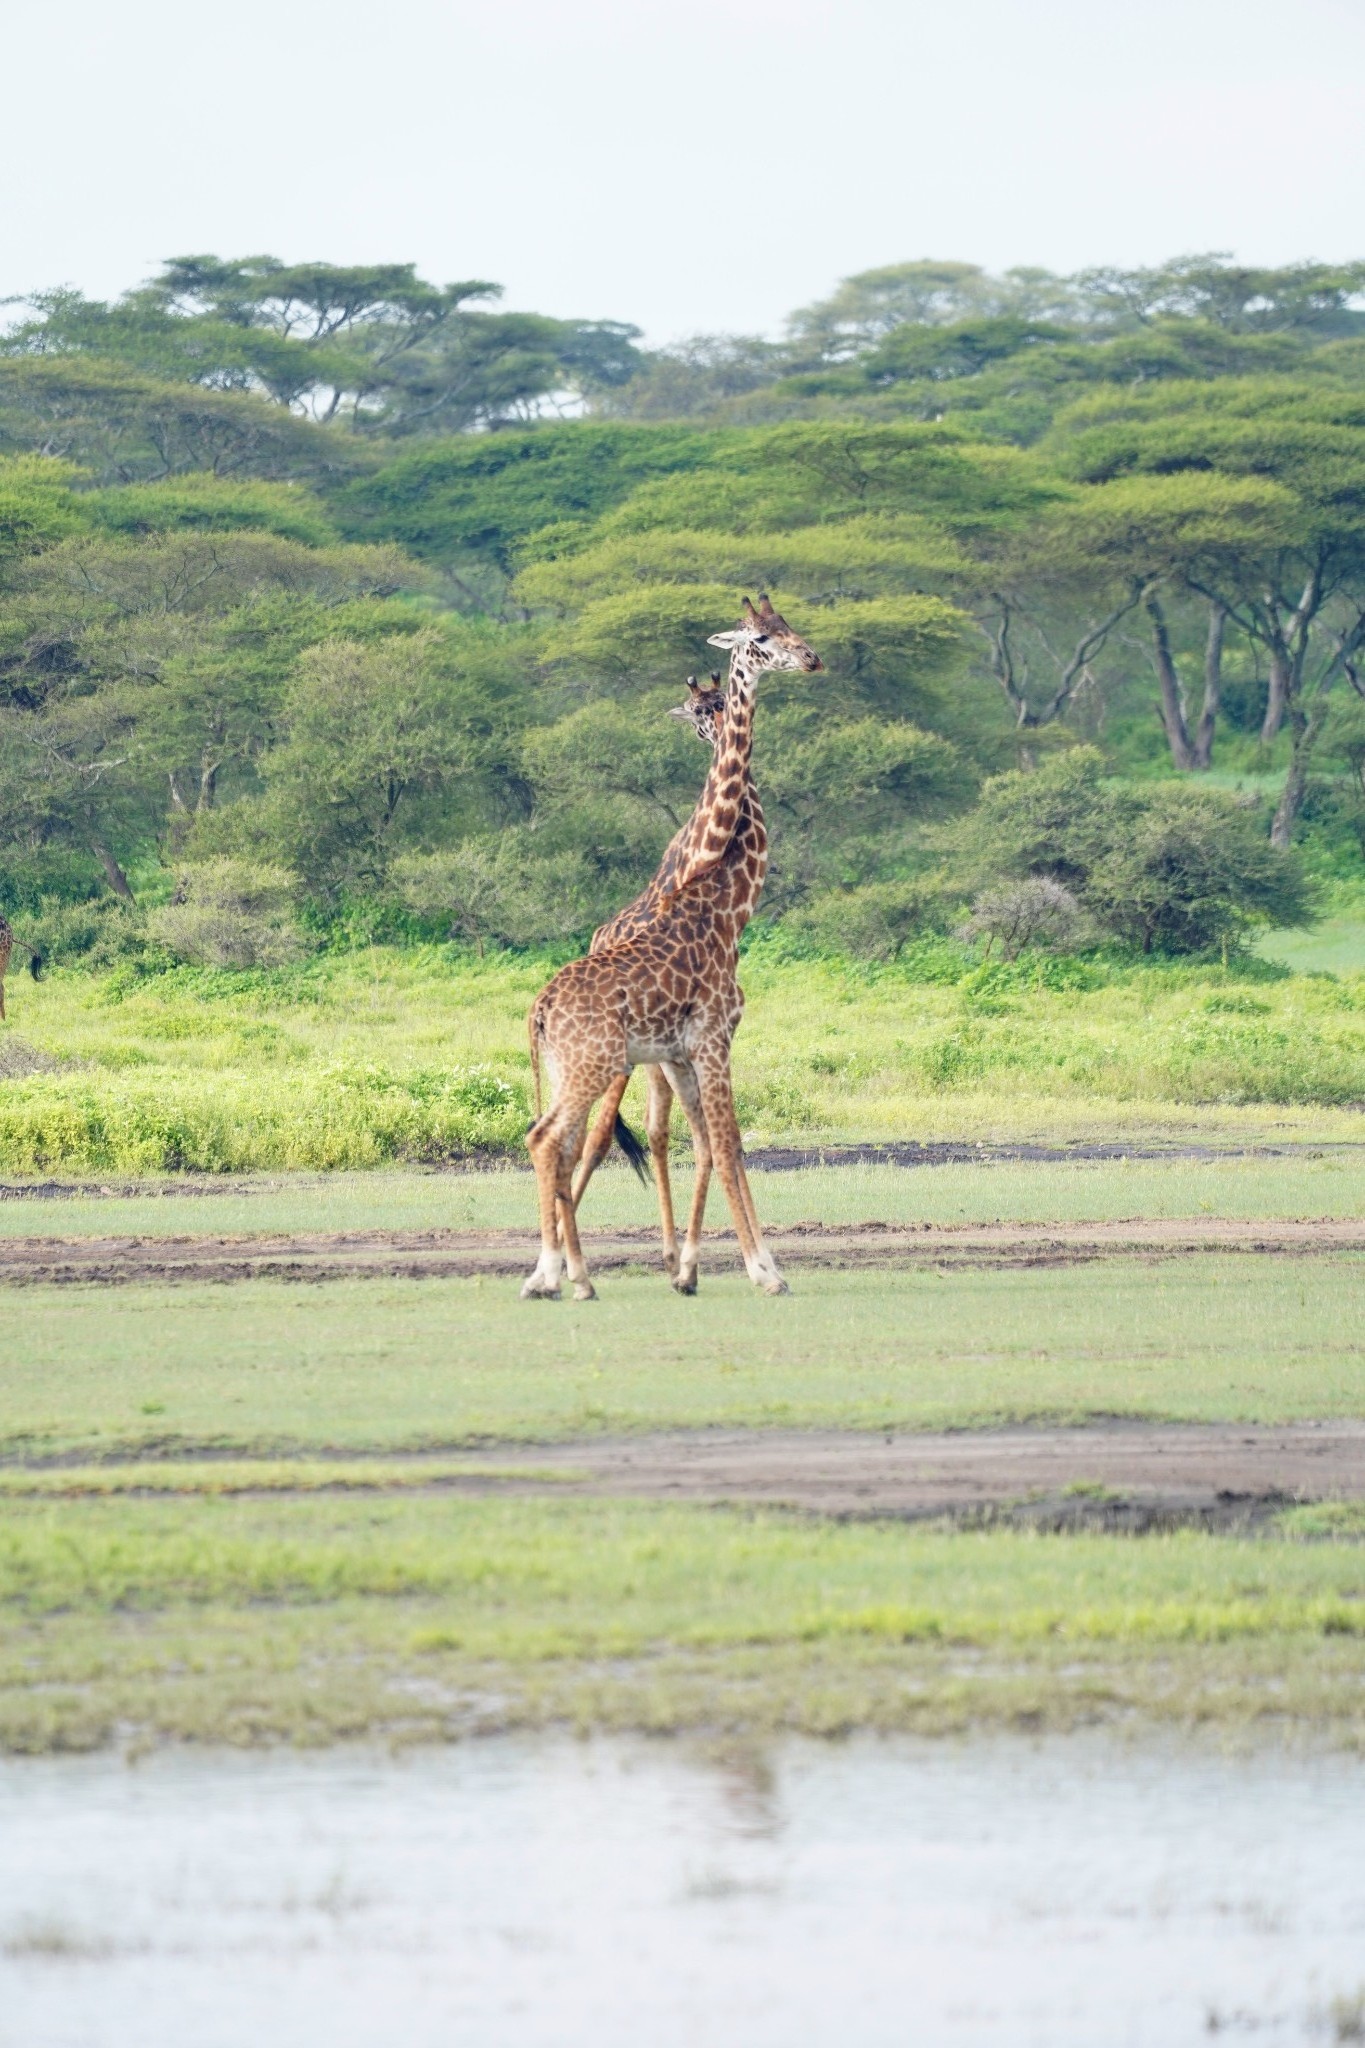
(704, 710)
(767, 640)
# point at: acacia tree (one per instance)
(1297, 588)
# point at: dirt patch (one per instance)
(18, 1060)
(464, 1254)
(1117, 1475)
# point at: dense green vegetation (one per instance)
(320, 621)
(380, 1054)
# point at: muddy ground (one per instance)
(1117, 1476)
(428, 1254)
(1128, 1475)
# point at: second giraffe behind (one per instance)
(667, 996)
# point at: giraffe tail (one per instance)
(35, 965)
(631, 1146)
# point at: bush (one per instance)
(871, 923)
(230, 913)
(1034, 912)
(1165, 866)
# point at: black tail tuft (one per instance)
(35, 966)
(631, 1146)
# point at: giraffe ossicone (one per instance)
(665, 994)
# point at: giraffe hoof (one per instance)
(583, 1290)
(777, 1285)
(538, 1290)
(685, 1283)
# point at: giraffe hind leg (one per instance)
(658, 1116)
(723, 1127)
(599, 1138)
(684, 1082)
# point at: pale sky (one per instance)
(702, 165)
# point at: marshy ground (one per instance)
(1091, 1444)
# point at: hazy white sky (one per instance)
(703, 164)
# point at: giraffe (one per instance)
(666, 996)
(734, 888)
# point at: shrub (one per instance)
(1168, 867)
(230, 913)
(1034, 912)
(871, 923)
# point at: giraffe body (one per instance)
(666, 995)
(732, 889)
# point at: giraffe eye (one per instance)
(760, 639)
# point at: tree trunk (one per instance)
(1279, 695)
(118, 881)
(1172, 702)
(1307, 733)
(1213, 687)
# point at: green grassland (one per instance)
(404, 1365)
(360, 1059)
(312, 1619)
(1305, 1182)
(208, 1528)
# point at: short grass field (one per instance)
(382, 1055)
(213, 1524)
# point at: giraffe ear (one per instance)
(727, 639)
(680, 711)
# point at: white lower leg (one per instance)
(542, 1283)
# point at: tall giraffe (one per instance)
(666, 996)
(734, 887)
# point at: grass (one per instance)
(306, 1584)
(312, 1618)
(382, 1365)
(1330, 1183)
(419, 1055)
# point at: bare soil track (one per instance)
(1115, 1475)
(426, 1254)
(1118, 1476)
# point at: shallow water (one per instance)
(516, 1891)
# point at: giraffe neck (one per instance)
(719, 806)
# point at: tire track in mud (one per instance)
(505, 1254)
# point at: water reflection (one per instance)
(552, 1892)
